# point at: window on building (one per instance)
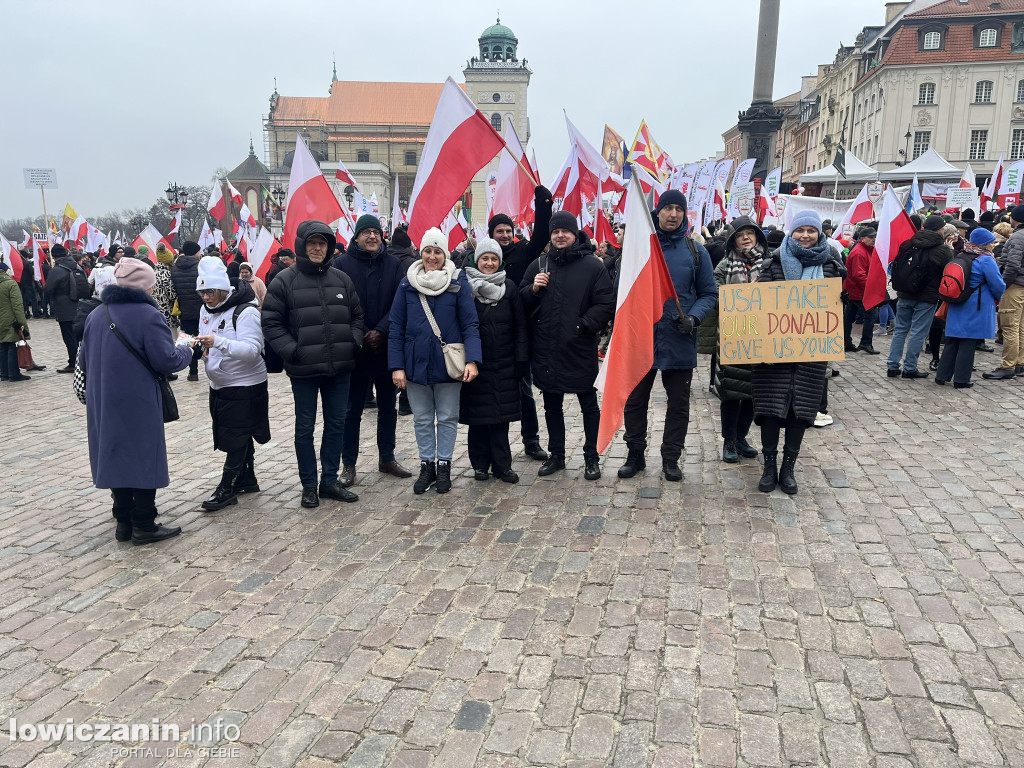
(922, 141)
(983, 92)
(363, 156)
(979, 145)
(410, 157)
(1020, 90)
(932, 41)
(496, 122)
(926, 93)
(1017, 144)
(988, 38)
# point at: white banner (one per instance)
(826, 207)
(963, 197)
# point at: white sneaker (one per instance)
(823, 420)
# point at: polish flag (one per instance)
(346, 228)
(765, 205)
(259, 256)
(991, 190)
(644, 287)
(217, 207)
(25, 242)
(861, 210)
(396, 208)
(605, 233)
(459, 143)
(234, 194)
(374, 205)
(206, 238)
(9, 254)
(894, 229)
(38, 257)
(344, 176)
(150, 237)
(514, 191)
(175, 225)
(245, 215)
(455, 227)
(967, 181)
(309, 194)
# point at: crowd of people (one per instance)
(466, 336)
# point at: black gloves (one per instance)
(542, 195)
(686, 324)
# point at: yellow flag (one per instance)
(69, 217)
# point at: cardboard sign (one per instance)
(792, 321)
(962, 197)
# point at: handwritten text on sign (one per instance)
(793, 321)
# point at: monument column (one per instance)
(761, 121)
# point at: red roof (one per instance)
(362, 103)
(959, 45)
(969, 8)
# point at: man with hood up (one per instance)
(313, 320)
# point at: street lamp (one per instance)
(137, 223)
(177, 195)
(349, 195)
(906, 148)
(278, 193)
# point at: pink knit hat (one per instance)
(132, 273)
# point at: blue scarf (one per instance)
(799, 263)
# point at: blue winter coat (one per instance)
(123, 407)
(976, 317)
(698, 295)
(412, 345)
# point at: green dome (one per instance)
(499, 30)
(498, 43)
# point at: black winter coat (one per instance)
(566, 318)
(376, 278)
(493, 396)
(85, 307)
(939, 255)
(59, 286)
(28, 277)
(184, 273)
(312, 317)
(517, 257)
(780, 387)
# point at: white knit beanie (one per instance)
(487, 245)
(436, 238)
(212, 274)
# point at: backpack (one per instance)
(271, 359)
(955, 287)
(910, 270)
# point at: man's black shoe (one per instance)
(729, 453)
(915, 375)
(635, 462)
(509, 477)
(337, 493)
(851, 347)
(869, 349)
(552, 465)
(123, 532)
(66, 369)
(672, 471)
(534, 451)
(158, 533)
(968, 385)
(892, 373)
(592, 469)
(192, 377)
(999, 374)
(480, 474)
(428, 476)
(309, 497)
(983, 347)
(745, 449)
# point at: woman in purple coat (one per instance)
(124, 409)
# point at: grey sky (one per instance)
(137, 94)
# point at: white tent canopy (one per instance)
(931, 165)
(856, 171)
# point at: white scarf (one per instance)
(432, 283)
(487, 289)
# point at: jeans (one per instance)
(136, 506)
(9, 360)
(957, 360)
(70, 342)
(677, 416)
(853, 308)
(913, 320)
(387, 416)
(737, 416)
(489, 448)
(554, 418)
(435, 418)
(885, 314)
(333, 391)
(529, 425)
(1011, 320)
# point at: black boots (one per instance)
(770, 476)
(553, 464)
(592, 468)
(635, 462)
(534, 451)
(224, 496)
(672, 471)
(444, 477)
(310, 498)
(787, 482)
(428, 476)
(729, 453)
(246, 481)
(157, 533)
(745, 449)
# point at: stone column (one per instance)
(767, 46)
(760, 122)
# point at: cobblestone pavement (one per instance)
(872, 620)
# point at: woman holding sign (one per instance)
(787, 395)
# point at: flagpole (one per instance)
(835, 193)
(42, 191)
(519, 162)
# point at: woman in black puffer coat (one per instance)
(787, 395)
(491, 402)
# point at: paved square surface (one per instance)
(873, 620)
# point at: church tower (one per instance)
(496, 82)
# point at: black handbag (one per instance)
(170, 405)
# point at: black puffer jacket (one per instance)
(518, 256)
(311, 314)
(376, 278)
(566, 318)
(184, 273)
(493, 396)
(777, 387)
(939, 255)
(59, 286)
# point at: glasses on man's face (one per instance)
(372, 233)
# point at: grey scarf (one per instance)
(487, 289)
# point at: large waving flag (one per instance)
(233, 193)
(38, 257)
(968, 180)
(309, 194)
(10, 255)
(206, 238)
(646, 153)
(894, 229)
(175, 225)
(344, 176)
(644, 287)
(217, 206)
(861, 210)
(514, 192)
(454, 226)
(261, 251)
(459, 143)
(991, 189)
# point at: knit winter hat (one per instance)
(133, 273)
(671, 197)
(486, 245)
(563, 220)
(498, 219)
(58, 251)
(982, 236)
(213, 273)
(143, 251)
(806, 218)
(400, 238)
(775, 238)
(934, 223)
(366, 221)
(190, 248)
(164, 255)
(1017, 214)
(434, 237)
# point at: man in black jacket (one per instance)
(28, 286)
(376, 275)
(313, 320)
(184, 273)
(66, 285)
(285, 258)
(516, 257)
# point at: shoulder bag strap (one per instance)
(129, 347)
(430, 318)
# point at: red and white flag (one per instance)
(991, 189)
(374, 205)
(346, 228)
(459, 143)
(175, 225)
(27, 239)
(861, 210)
(894, 229)
(514, 191)
(38, 257)
(344, 176)
(396, 208)
(605, 233)
(644, 287)
(206, 238)
(967, 181)
(9, 254)
(234, 194)
(309, 194)
(246, 217)
(455, 228)
(217, 206)
(261, 251)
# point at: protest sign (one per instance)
(791, 321)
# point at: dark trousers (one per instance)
(737, 416)
(31, 300)
(489, 447)
(136, 506)
(935, 334)
(236, 460)
(823, 408)
(853, 308)
(554, 419)
(771, 428)
(677, 416)
(47, 305)
(333, 393)
(70, 342)
(9, 360)
(387, 416)
(529, 425)
(957, 360)
(191, 327)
